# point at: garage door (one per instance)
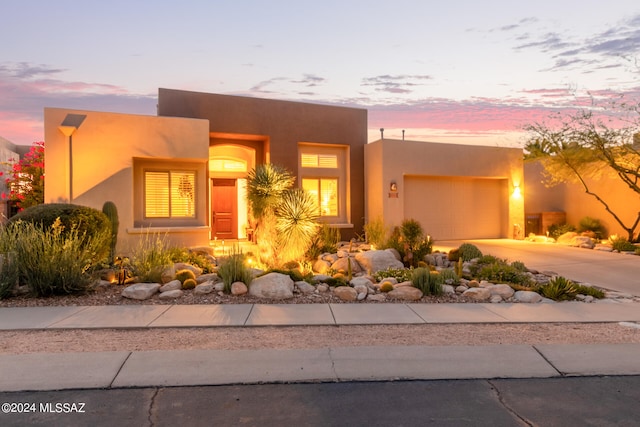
(458, 208)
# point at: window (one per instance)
(169, 194)
(325, 191)
(329, 161)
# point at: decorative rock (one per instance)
(342, 254)
(219, 287)
(477, 294)
(345, 293)
(566, 238)
(330, 258)
(101, 285)
(391, 280)
(305, 287)
(604, 248)
(184, 266)
(448, 289)
(377, 297)
(582, 242)
(209, 277)
(527, 296)
(140, 291)
(403, 284)
(170, 286)
(204, 288)
(407, 293)
(172, 294)
(321, 266)
(374, 261)
(460, 289)
(361, 296)
(485, 284)
(473, 284)
(168, 274)
(360, 281)
(238, 288)
(504, 291)
(495, 299)
(342, 264)
(430, 259)
(321, 278)
(395, 254)
(272, 286)
(322, 288)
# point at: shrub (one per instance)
(503, 273)
(518, 265)
(429, 282)
(593, 225)
(401, 274)
(454, 255)
(410, 242)
(185, 274)
(336, 281)
(150, 258)
(232, 269)
(189, 283)
(557, 230)
(469, 251)
(589, 290)
(621, 244)
(83, 219)
(53, 260)
(559, 289)
(449, 276)
(376, 233)
(325, 240)
(9, 266)
(187, 256)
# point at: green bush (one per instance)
(449, 276)
(325, 240)
(233, 269)
(504, 273)
(401, 274)
(187, 256)
(150, 258)
(589, 290)
(376, 233)
(429, 282)
(54, 260)
(410, 242)
(468, 251)
(588, 224)
(518, 265)
(621, 244)
(336, 281)
(559, 289)
(9, 265)
(557, 230)
(83, 219)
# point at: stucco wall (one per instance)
(391, 160)
(572, 199)
(283, 124)
(104, 147)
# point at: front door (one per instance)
(224, 206)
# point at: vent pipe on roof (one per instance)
(403, 134)
(381, 133)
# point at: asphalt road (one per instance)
(583, 401)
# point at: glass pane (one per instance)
(329, 197)
(183, 186)
(310, 185)
(309, 160)
(156, 194)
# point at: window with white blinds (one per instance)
(169, 194)
(325, 191)
(327, 161)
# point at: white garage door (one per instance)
(458, 208)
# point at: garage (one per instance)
(457, 208)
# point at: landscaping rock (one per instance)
(239, 288)
(168, 274)
(503, 291)
(342, 265)
(204, 288)
(406, 293)
(321, 266)
(345, 293)
(377, 297)
(141, 291)
(374, 261)
(495, 299)
(101, 285)
(305, 287)
(473, 284)
(170, 286)
(448, 289)
(218, 287)
(527, 296)
(403, 284)
(477, 294)
(391, 280)
(361, 281)
(395, 254)
(209, 277)
(604, 248)
(566, 238)
(272, 286)
(582, 242)
(461, 288)
(322, 288)
(184, 266)
(172, 294)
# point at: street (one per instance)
(583, 401)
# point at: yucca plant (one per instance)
(296, 224)
(559, 289)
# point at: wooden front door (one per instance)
(224, 207)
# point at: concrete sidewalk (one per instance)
(56, 371)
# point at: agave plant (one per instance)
(559, 288)
(296, 224)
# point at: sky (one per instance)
(460, 71)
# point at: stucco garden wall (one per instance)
(104, 148)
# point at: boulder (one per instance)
(184, 266)
(566, 238)
(170, 286)
(209, 277)
(406, 293)
(377, 297)
(272, 286)
(204, 288)
(582, 242)
(504, 291)
(527, 296)
(361, 281)
(477, 294)
(345, 293)
(238, 288)
(448, 289)
(374, 261)
(495, 299)
(321, 266)
(305, 287)
(342, 264)
(141, 291)
(172, 294)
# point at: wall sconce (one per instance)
(70, 124)
(393, 187)
(516, 192)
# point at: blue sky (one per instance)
(456, 71)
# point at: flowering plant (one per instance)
(25, 179)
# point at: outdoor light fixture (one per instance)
(516, 192)
(393, 186)
(69, 125)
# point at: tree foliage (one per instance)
(25, 180)
(591, 144)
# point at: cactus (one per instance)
(110, 210)
(189, 284)
(184, 275)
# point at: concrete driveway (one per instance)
(612, 271)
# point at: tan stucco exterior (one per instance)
(400, 162)
(105, 148)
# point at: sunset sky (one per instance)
(457, 71)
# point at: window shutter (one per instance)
(156, 194)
